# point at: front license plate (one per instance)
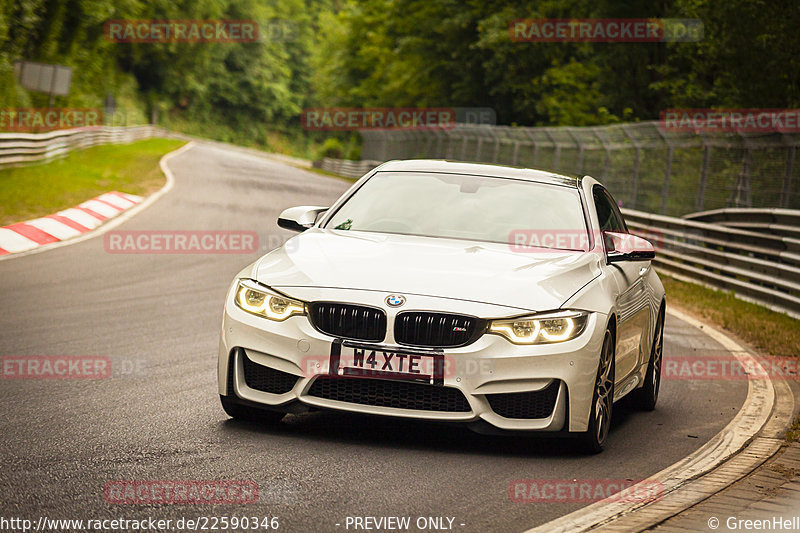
(350, 359)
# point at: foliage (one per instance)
(332, 147)
(459, 53)
(772, 332)
(451, 53)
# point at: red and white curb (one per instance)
(66, 224)
(100, 227)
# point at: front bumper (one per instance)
(490, 371)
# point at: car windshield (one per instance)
(467, 207)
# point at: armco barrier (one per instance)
(345, 167)
(758, 266)
(776, 221)
(24, 148)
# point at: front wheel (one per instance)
(602, 400)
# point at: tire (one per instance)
(238, 411)
(593, 440)
(646, 397)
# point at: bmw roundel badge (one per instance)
(395, 300)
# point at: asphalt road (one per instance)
(158, 417)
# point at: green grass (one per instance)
(770, 332)
(793, 433)
(38, 190)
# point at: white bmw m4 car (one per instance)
(511, 300)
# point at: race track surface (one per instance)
(157, 317)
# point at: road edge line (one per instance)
(116, 221)
(697, 468)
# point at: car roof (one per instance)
(479, 169)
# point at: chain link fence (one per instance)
(646, 167)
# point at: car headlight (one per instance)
(259, 300)
(541, 329)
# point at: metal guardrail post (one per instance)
(667, 170)
(701, 187)
(786, 192)
(532, 137)
(448, 144)
(464, 147)
(479, 148)
(667, 177)
(516, 153)
(579, 144)
(439, 151)
(428, 139)
(607, 160)
(742, 196)
(556, 148)
(496, 154)
(385, 147)
(636, 159)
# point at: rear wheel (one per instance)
(250, 414)
(646, 397)
(602, 400)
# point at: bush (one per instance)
(354, 152)
(332, 147)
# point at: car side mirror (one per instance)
(627, 247)
(300, 218)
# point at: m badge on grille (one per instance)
(395, 300)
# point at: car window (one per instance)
(608, 215)
(617, 212)
(467, 207)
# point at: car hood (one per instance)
(448, 268)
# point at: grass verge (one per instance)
(793, 433)
(770, 332)
(38, 190)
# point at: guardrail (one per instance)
(756, 266)
(346, 167)
(776, 221)
(24, 148)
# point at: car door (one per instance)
(633, 311)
